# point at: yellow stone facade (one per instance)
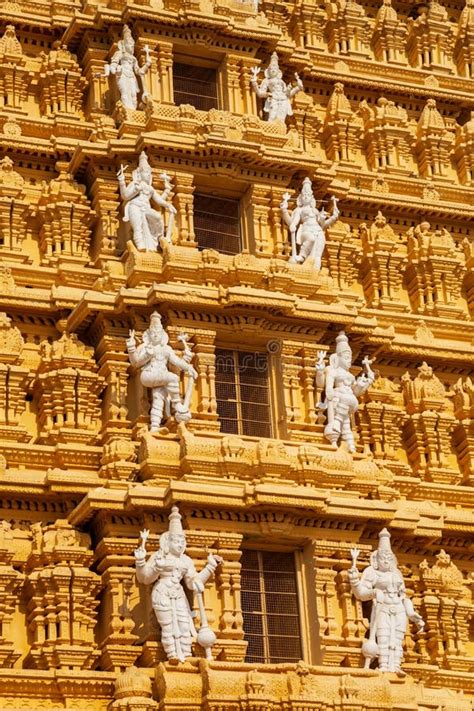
(385, 123)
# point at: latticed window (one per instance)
(242, 392)
(217, 224)
(195, 85)
(270, 607)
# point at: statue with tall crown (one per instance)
(341, 390)
(166, 569)
(147, 224)
(273, 89)
(382, 582)
(127, 72)
(154, 356)
(308, 225)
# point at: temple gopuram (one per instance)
(237, 348)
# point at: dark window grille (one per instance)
(195, 85)
(269, 596)
(217, 224)
(242, 393)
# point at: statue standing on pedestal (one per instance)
(166, 569)
(307, 225)
(341, 390)
(382, 583)
(153, 357)
(273, 89)
(147, 224)
(124, 66)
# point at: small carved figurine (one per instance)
(341, 390)
(308, 225)
(124, 66)
(382, 583)
(166, 569)
(273, 89)
(147, 224)
(153, 357)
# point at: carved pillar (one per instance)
(109, 339)
(117, 639)
(232, 81)
(257, 207)
(67, 388)
(10, 582)
(164, 63)
(61, 599)
(463, 439)
(61, 84)
(308, 379)
(249, 96)
(183, 184)
(447, 609)
(280, 238)
(13, 382)
(429, 427)
(103, 189)
(228, 589)
(205, 363)
(383, 265)
(15, 211)
(66, 218)
(291, 364)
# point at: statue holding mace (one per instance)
(167, 569)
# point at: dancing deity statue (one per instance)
(128, 74)
(153, 357)
(341, 390)
(273, 89)
(147, 224)
(307, 225)
(166, 569)
(382, 583)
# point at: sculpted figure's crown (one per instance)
(127, 34)
(307, 188)
(143, 161)
(273, 64)
(384, 541)
(342, 343)
(155, 320)
(175, 522)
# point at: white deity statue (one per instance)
(382, 583)
(307, 225)
(166, 569)
(153, 357)
(147, 224)
(128, 74)
(273, 89)
(341, 390)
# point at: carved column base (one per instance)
(62, 657)
(118, 656)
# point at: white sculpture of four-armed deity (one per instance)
(307, 225)
(153, 357)
(275, 91)
(147, 224)
(127, 72)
